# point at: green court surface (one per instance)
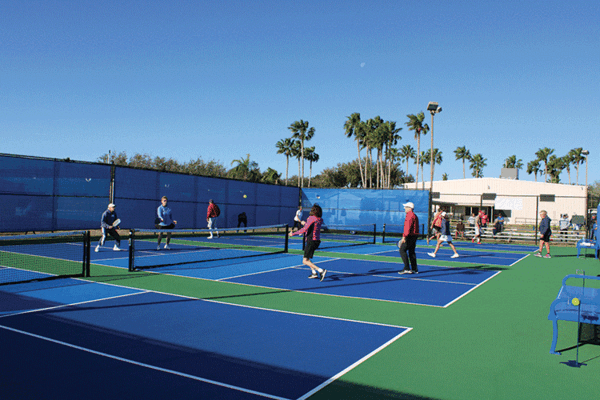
(493, 343)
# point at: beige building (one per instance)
(519, 201)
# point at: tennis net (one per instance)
(189, 246)
(346, 235)
(44, 256)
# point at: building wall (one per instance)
(456, 194)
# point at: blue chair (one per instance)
(588, 244)
(563, 309)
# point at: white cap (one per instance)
(409, 204)
(111, 205)
(443, 213)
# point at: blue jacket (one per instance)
(108, 218)
(545, 226)
(164, 213)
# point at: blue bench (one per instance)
(588, 244)
(563, 309)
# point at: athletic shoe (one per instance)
(97, 249)
(404, 271)
(454, 255)
(538, 254)
(414, 272)
(473, 240)
(167, 247)
(313, 276)
(116, 248)
(323, 274)
(547, 256)
(431, 255)
(210, 237)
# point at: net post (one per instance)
(287, 231)
(374, 233)
(131, 249)
(383, 234)
(87, 246)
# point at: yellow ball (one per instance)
(245, 196)
(575, 301)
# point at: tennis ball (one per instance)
(575, 301)
(245, 196)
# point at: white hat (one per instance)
(409, 205)
(443, 213)
(111, 205)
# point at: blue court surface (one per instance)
(82, 339)
(470, 256)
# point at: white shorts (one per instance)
(446, 238)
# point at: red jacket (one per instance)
(211, 212)
(411, 224)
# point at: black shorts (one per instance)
(171, 226)
(546, 237)
(438, 229)
(311, 246)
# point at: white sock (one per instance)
(320, 270)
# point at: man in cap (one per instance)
(107, 226)
(409, 240)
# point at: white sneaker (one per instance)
(116, 248)
(97, 249)
(210, 237)
(167, 247)
(455, 255)
(431, 255)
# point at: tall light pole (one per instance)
(433, 108)
(586, 153)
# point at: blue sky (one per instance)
(222, 79)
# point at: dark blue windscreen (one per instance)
(26, 176)
(75, 179)
(136, 184)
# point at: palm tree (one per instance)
(477, 165)
(415, 123)
(284, 147)
(245, 169)
(533, 167)
(301, 132)
(555, 167)
(542, 155)
(444, 176)
(578, 159)
(567, 161)
(437, 158)
(296, 153)
(421, 160)
(392, 137)
(354, 127)
(463, 154)
(513, 162)
(270, 176)
(312, 157)
(406, 153)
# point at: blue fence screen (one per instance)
(353, 207)
(47, 195)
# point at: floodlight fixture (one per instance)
(432, 106)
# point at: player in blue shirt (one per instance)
(107, 226)
(166, 221)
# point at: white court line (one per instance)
(140, 364)
(351, 367)
(469, 291)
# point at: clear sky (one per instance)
(222, 79)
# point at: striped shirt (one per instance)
(312, 228)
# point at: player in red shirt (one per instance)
(312, 228)
(408, 243)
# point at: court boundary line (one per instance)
(144, 365)
(469, 291)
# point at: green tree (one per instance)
(513, 162)
(578, 159)
(311, 156)
(245, 169)
(437, 157)
(533, 167)
(270, 176)
(415, 123)
(407, 152)
(302, 132)
(463, 154)
(543, 155)
(285, 147)
(354, 127)
(421, 160)
(477, 165)
(445, 177)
